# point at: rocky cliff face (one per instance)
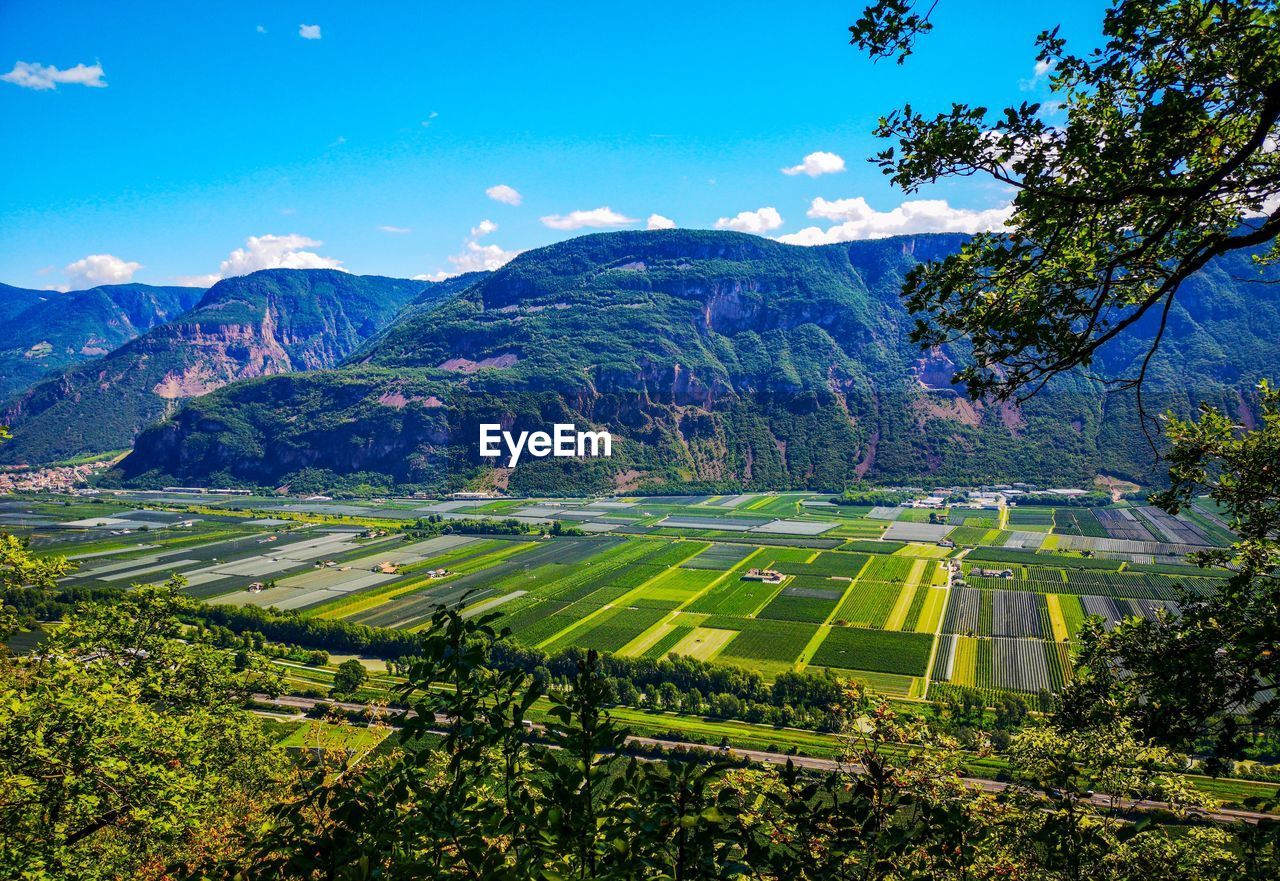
(267, 323)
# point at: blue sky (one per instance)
(218, 138)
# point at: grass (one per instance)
(1057, 621)
(1072, 613)
(703, 643)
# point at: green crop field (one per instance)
(645, 589)
(875, 650)
(780, 641)
(867, 605)
(789, 607)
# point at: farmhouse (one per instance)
(768, 576)
(992, 573)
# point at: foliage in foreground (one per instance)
(124, 748)
(475, 791)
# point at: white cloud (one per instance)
(756, 222)
(657, 221)
(261, 29)
(1042, 69)
(504, 194)
(858, 220)
(596, 217)
(96, 269)
(309, 31)
(45, 77)
(268, 252)
(395, 230)
(474, 256)
(816, 164)
(430, 118)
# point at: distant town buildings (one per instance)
(54, 478)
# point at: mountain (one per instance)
(719, 360)
(269, 322)
(42, 332)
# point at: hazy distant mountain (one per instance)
(719, 360)
(42, 332)
(273, 321)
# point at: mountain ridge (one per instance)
(42, 332)
(719, 359)
(271, 321)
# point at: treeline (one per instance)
(434, 524)
(31, 605)
(673, 683)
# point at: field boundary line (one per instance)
(620, 602)
(670, 620)
(937, 632)
(820, 635)
(906, 595)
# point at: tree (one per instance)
(1160, 157)
(1211, 671)
(124, 748)
(1157, 157)
(350, 676)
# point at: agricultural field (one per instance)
(867, 592)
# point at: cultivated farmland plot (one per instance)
(876, 650)
(611, 630)
(827, 564)
(719, 556)
(733, 524)
(778, 641)
(1173, 529)
(1018, 614)
(1122, 524)
(963, 611)
(901, 530)
(1019, 665)
(1088, 543)
(795, 527)
(868, 604)
(793, 607)
(1024, 539)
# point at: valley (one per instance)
(973, 600)
(914, 602)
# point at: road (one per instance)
(1220, 815)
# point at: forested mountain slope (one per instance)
(718, 359)
(42, 332)
(269, 322)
